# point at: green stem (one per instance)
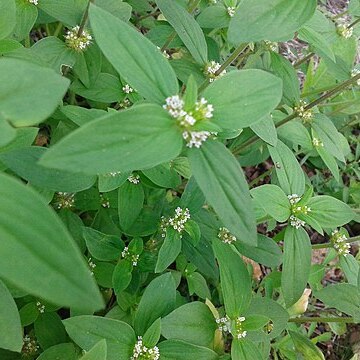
(58, 29)
(305, 319)
(329, 245)
(304, 59)
(294, 115)
(354, 23)
(84, 19)
(260, 177)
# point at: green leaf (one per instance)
(163, 175)
(26, 14)
(306, 347)
(157, 301)
(181, 350)
(87, 331)
(255, 322)
(186, 27)
(273, 200)
(289, 173)
(329, 212)
(135, 58)
(69, 12)
(241, 98)
(130, 202)
(245, 350)
(343, 297)
(296, 265)
(38, 91)
(273, 20)
(153, 333)
(222, 181)
(64, 351)
(192, 322)
(118, 8)
(235, 279)
(318, 41)
(7, 18)
(266, 252)
(102, 246)
(214, 17)
(10, 326)
(169, 250)
(350, 267)
(98, 352)
(265, 129)
(122, 275)
(7, 132)
(68, 281)
(24, 162)
(112, 143)
(198, 285)
(329, 161)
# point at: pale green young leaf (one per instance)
(153, 333)
(235, 279)
(38, 91)
(273, 200)
(186, 27)
(10, 326)
(86, 331)
(241, 98)
(135, 58)
(274, 20)
(68, 281)
(296, 265)
(222, 181)
(306, 347)
(113, 142)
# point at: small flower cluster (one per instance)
(224, 324)
(211, 70)
(35, 2)
(302, 113)
(127, 89)
(297, 210)
(134, 179)
(339, 243)
(40, 307)
(177, 222)
(213, 2)
(141, 352)
(65, 200)
(355, 72)
(165, 54)
(239, 331)
(317, 142)
(125, 103)
(344, 30)
(92, 266)
(113, 174)
(76, 41)
(231, 10)
(271, 46)
(134, 258)
(30, 346)
(225, 236)
(201, 111)
(105, 203)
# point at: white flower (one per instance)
(35, 2)
(65, 200)
(134, 179)
(105, 203)
(40, 306)
(175, 106)
(92, 266)
(225, 236)
(296, 222)
(355, 72)
(196, 138)
(231, 10)
(76, 41)
(224, 324)
(125, 254)
(233, 327)
(30, 346)
(294, 198)
(113, 174)
(340, 244)
(344, 30)
(317, 142)
(271, 46)
(305, 115)
(179, 220)
(211, 70)
(127, 89)
(141, 352)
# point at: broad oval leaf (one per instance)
(7, 17)
(157, 301)
(235, 279)
(241, 98)
(65, 351)
(186, 27)
(23, 162)
(38, 91)
(222, 181)
(192, 322)
(87, 331)
(274, 20)
(10, 326)
(135, 58)
(121, 141)
(296, 265)
(45, 247)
